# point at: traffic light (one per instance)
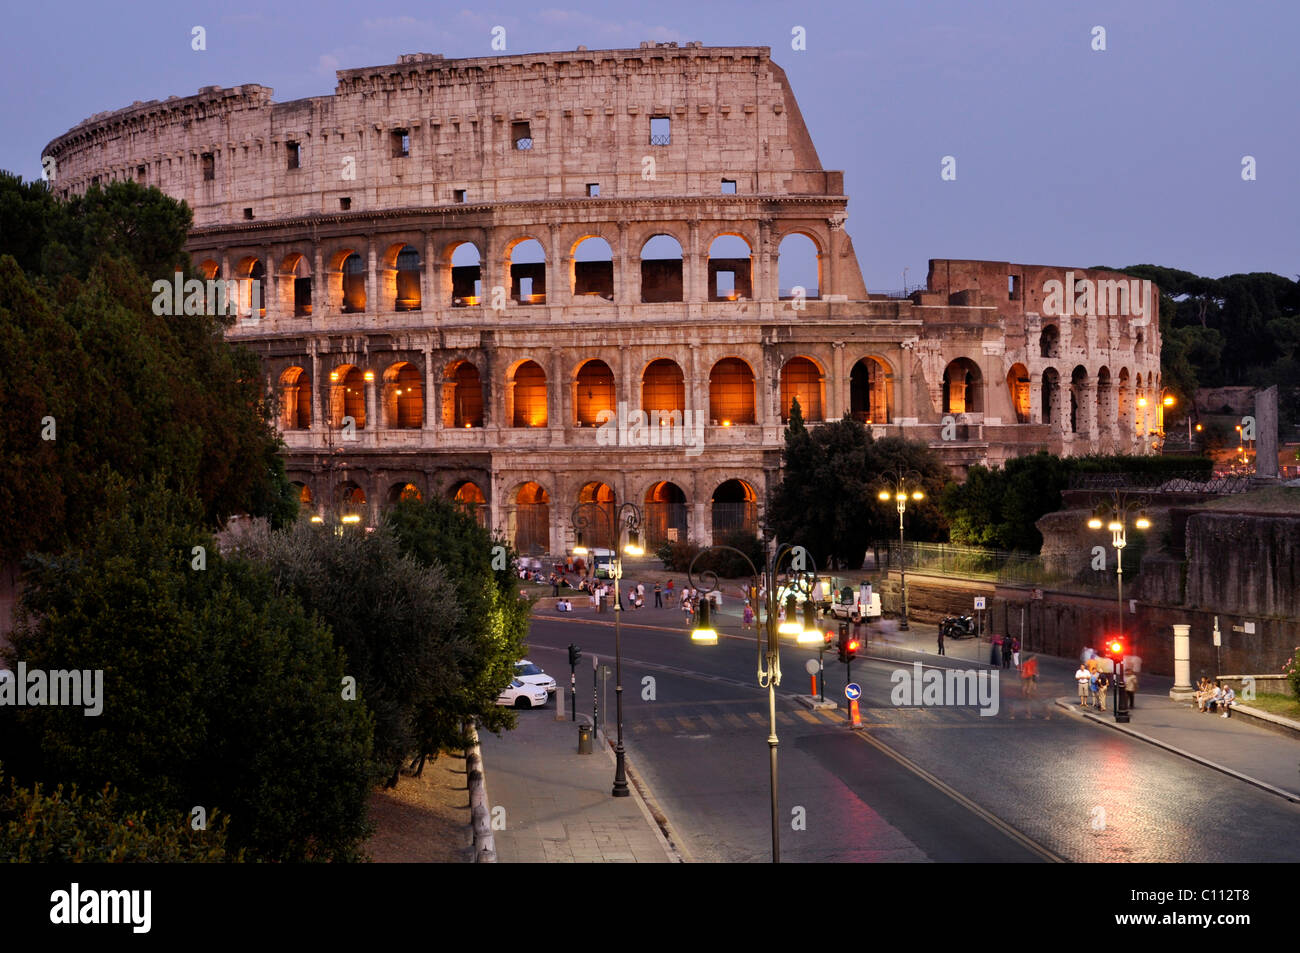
(1115, 648)
(575, 655)
(851, 649)
(843, 642)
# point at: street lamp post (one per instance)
(626, 519)
(899, 480)
(802, 582)
(1114, 516)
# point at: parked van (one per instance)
(602, 563)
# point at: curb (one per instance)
(809, 701)
(1262, 785)
(1266, 719)
(649, 806)
(485, 850)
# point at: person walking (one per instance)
(1006, 651)
(1103, 683)
(659, 596)
(747, 617)
(995, 651)
(1015, 652)
(941, 651)
(669, 589)
(1131, 686)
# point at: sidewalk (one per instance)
(557, 803)
(1235, 746)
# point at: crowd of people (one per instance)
(1215, 697)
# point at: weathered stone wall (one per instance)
(1244, 563)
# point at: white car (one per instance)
(522, 696)
(531, 674)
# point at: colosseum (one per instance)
(529, 281)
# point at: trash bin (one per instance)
(584, 739)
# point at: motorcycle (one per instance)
(958, 627)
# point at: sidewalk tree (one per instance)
(216, 690)
(826, 499)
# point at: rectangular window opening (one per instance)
(593, 190)
(209, 166)
(140, 173)
(345, 204)
(248, 213)
(521, 134)
(660, 131)
(1013, 287)
(728, 186)
(459, 196)
(401, 143)
(294, 155)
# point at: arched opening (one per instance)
(528, 395)
(869, 391)
(404, 396)
(735, 508)
(466, 276)
(347, 396)
(665, 514)
(526, 266)
(251, 273)
(354, 284)
(663, 393)
(661, 270)
(1049, 341)
(350, 499)
(1018, 388)
(295, 399)
(801, 380)
(961, 387)
(1050, 397)
(305, 500)
(295, 285)
(730, 263)
(731, 392)
(532, 519)
(407, 284)
(594, 393)
(798, 267)
(1123, 402)
(593, 269)
(1105, 405)
(404, 491)
(597, 505)
(1078, 385)
(470, 499)
(462, 396)
(209, 269)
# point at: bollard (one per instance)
(584, 739)
(560, 694)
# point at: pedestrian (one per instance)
(747, 616)
(1006, 651)
(1131, 685)
(1015, 651)
(995, 654)
(640, 593)
(856, 619)
(555, 585)
(1103, 683)
(1083, 678)
(1094, 685)
(669, 588)
(941, 651)
(659, 596)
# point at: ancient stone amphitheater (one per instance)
(531, 281)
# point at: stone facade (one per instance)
(463, 265)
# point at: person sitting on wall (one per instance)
(1227, 701)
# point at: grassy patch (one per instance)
(1283, 705)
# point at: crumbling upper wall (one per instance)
(587, 114)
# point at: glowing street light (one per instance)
(899, 495)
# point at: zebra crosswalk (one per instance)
(720, 718)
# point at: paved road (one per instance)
(918, 784)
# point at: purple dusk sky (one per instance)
(1064, 155)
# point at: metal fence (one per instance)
(1189, 482)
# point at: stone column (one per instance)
(559, 272)
(836, 384)
(619, 264)
(320, 289)
(697, 396)
(1035, 398)
(763, 277)
(556, 392)
(372, 422)
(373, 304)
(431, 422)
(1087, 398)
(834, 236)
(315, 390)
(429, 300)
(1182, 690)
(271, 301)
(695, 272)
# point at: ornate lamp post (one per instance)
(802, 582)
(1114, 516)
(899, 495)
(625, 524)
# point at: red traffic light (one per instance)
(1115, 648)
(853, 645)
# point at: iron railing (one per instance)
(1177, 482)
(991, 565)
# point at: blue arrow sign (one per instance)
(853, 691)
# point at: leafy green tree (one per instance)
(217, 691)
(826, 499)
(493, 624)
(58, 827)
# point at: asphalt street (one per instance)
(919, 783)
